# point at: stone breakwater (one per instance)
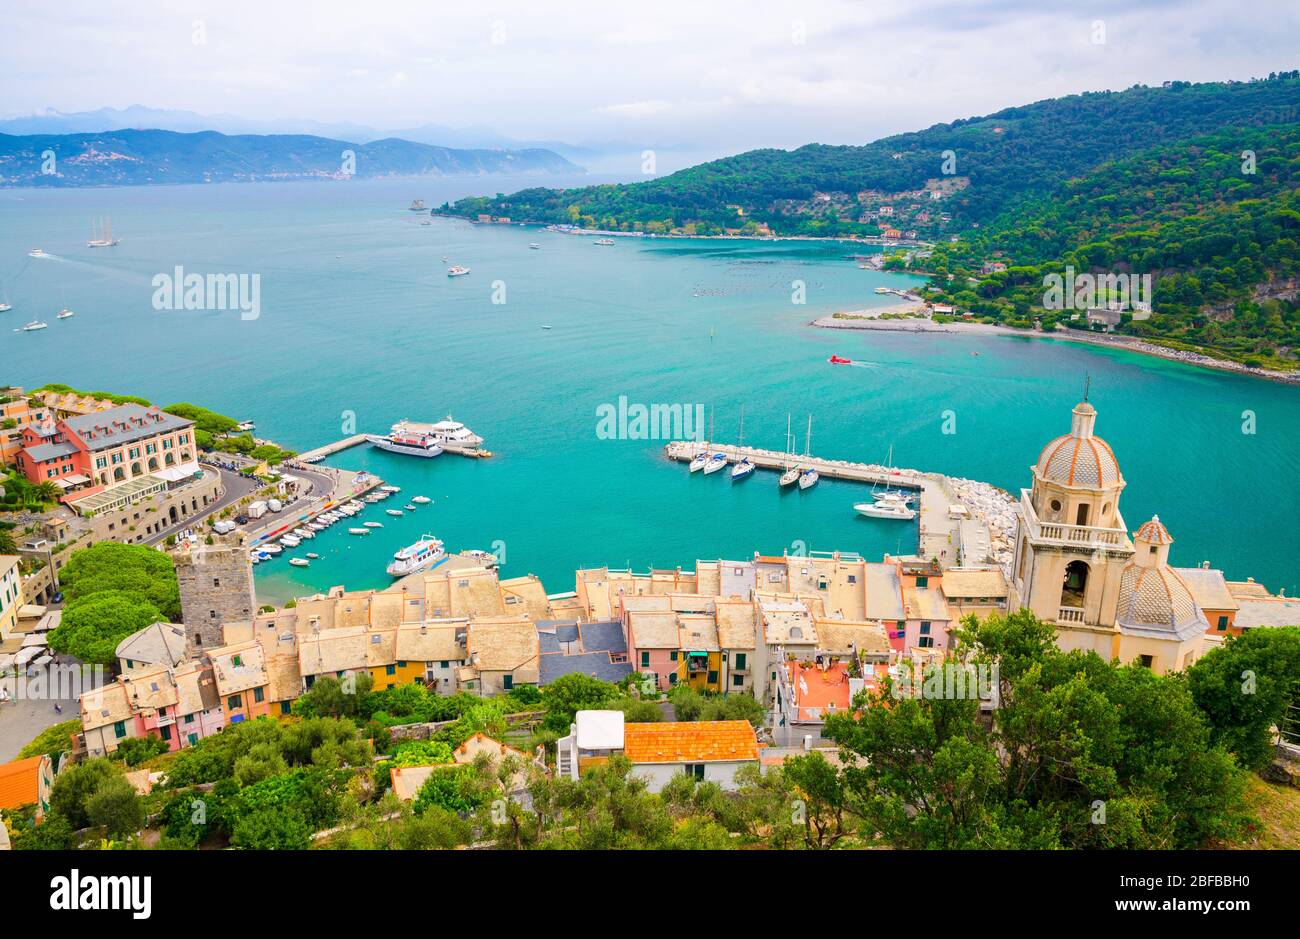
(997, 509)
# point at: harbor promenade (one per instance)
(346, 485)
(947, 518)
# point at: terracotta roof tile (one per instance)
(690, 742)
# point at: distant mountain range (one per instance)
(139, 117)
(150, 157)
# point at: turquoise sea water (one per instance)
(358, 318)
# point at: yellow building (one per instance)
(11, 594)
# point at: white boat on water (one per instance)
(311, 556)
(742, 469)
(454, 433)
(791, 475)
(304, 533)
(533, 245)
(808, 478)
(407, 439)
(887, 505)
(271, 548)
(697, 463)
(715, 462)
(289, 541)
(394, 512)
(409, 507)
(6, 307)
(457, 271)
(421, 500)
(358, 531)
(604, 241)
(422, 555)
(104, 238)
(417, 205)
(373, 524)
(65, 314)
(35, 325)
(390, 488)
(299, 562)
(37, 253)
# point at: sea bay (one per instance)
(360, 324)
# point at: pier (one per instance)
(347, 443)
(943, 534)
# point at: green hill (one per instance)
(145, 157)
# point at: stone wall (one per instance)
(216, 587)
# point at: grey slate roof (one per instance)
(158, 644)
(50, 451)
(603, 637)
(84, 425)
(595, 664)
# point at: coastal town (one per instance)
(776, 648)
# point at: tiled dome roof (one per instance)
(1155, 598)
(1078, 458)
(1154, 532)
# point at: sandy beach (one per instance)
(869, 319)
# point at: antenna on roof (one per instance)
(1087, 384)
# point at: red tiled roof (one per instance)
(690, 742)
(20, 782)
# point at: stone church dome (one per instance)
(1157, 600)
(1079, 458)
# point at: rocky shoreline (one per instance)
(869, 319)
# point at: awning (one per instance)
(23, 656)
(34, 639)
(703, 655)
(6, 662)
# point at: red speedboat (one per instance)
(836, 360)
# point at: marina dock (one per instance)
(347, 443)
(942, 534)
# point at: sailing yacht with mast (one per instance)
(745, 466)
(702, 457)
(808, 478)
(791, 474)
(105, 238)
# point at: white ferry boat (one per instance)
(406, 439)
(457, 271)
(420, 556)
(455, 433)
(887, 505)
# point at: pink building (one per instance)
(654, 645)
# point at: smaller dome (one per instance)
(1157, 601)
(1079, 458)
(1153, 532)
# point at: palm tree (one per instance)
(47, 491)
(7, 543)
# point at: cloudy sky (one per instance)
(729, 74)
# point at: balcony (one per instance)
(1070, 614)
(1083, 536)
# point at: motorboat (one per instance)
(533, 245)
(422, 555)
(715, 462)
(358, 531)
(457, 271)
(742, 469)
(700, 459)
(408, 507)
(37, 253)
(35, 325)
(394, 512)
(373, 524)
(408, 440)
(808, 478)
(299, 562)
(605, 242)
(887, 505)
(304, 533)
(837, 360)
(421, 500)
(289, 541)
(311, 555)
(271, 548)
(390, 488)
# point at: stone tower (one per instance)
(216, 587)
(1071, 542)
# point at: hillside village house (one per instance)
(107, 719)
(11, 594)
(20, 411)
(27, 782)
(162, 644)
